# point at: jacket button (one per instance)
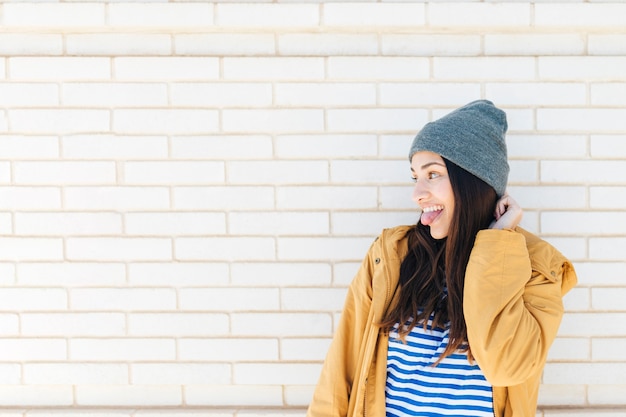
(377, 260)
(552, 273)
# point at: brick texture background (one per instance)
(187, 188)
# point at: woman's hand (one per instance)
(507, 214)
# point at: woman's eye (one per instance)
(433, 175)
(413, 179)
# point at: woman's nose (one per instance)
(419, 192)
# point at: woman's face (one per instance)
(433, 192)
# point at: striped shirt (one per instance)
(455, 387)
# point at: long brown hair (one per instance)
(433, 265)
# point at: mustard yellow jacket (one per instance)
(513, 306)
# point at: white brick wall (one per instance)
(187, 188)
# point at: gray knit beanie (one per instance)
(471, 137)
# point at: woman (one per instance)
(453, 316)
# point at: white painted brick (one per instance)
(534, 44)
(70, 274)
(323, 197)
(330, 248)
(278, 69)
(600, 273)
(229, 299)
(177, 324)
(582, 15)
(116, 198)
(370, 224)
(537, 94)
(234, 395)
(439, 44)
(56, 224)
(575, 324)
(126, 349)
(226, 44)
(428, 93)
(589, 68)
(267, 15)
(73, 324)
(613, 44)
(372, 172)
(128, 395)
(479, 14)
(278, 172)
(29, 94)
(58, 15)
(586, 171)
(312, 299)
(167, 224)
(24, 249)
(395, 146)
(160, 173)
(229, 350)
(221, 94)
(222, 147)
(275, 120)
(278, 223)
(486, 68)
(118, 44)
(368, 120)
(333, 94)
(610, 248)
(378, 68)
(29, 147)
(10, 374)
(178, 274)
(608, 349)
(283, 325)
(584, 223)
(224, 197)
(30, 44)
(557, 394)
(160, 14)
(225, 248)
(585, 373)
(127, 299)
(6, 223)
(578, 299)
(272, 374)
(325, 146)
(7, 274)
(26, 349)
(608, 146)
(59, 68)
(180, 374)
(38, 395)
(5, 172)
(29, 198)
(546, 146)
(589, 119)
(75, 373)
(165, 121)
(570, 349)
(304, 349)
(606, 394)
(165, 68)
(277, 274)
(609, 94)
(118, 249)
(373, 14)
(9, 324)
(114, 94)
(63, 172)
(57, 121)
(33, 299)
(573, 248)
(114, 147)
(397, 197)
(4, 122)
(607, 197)
(316, 44)
(549, 197)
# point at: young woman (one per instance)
(453, 316)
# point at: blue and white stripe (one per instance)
(455, 387)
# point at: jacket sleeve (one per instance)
(332, 394)
(512, 310)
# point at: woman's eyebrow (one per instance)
(432, 163)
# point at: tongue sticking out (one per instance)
(428, 217)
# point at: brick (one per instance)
(165, 121)
(570, 349)
(589, 68)
(29, 94)
(574, 248)
(273, 69)
(72, 274)
(75, 373)
(4, 122)
(537, 94)
(114, 94)
(610, 248)
(29, 147)
(7, 274)
(549, 197)
(275, 120)
(224, 197)
(128, 395)
(9, 324)
(171, 172)
(159, 15)
(178, 274)
(283, 325)
(607, 197)
(608, 146)
(304, 349)
(608, 94)
(558, 394)
(127, 349)
(368, 120)
(584, 373)
(594, 119)
(278, 223)
(126, 299)
(534, 44)
(229, 299)
(24, 249)
(6, 223)
(329, 248)
(165, 68)
(221, 94)
(56, 121)
(369, 224)
(228, 44)
(397, 197)
(579, 15)
(168, 224)
(30, 44)
(325, 146)
(63, 172)
(267, 15)
(487, 68)
(272, 374)
(177, 324)
(57, 15)
(278, 172)
(222, 147)
(118, 249)
(59, 68)
(27, 349)
(578, 299)
(606, 44)
(229, 350)
(73, 324)
(324, 197)
(596, 171)
(234, 395)
(73, 224)
(276, 274)
(38, 395)
(298, 395)
(312, 299)
(114, 147)
(10, 374)
(606, 394)
(369, 172)
(577, 324)
(373, 14)
(428, 93)
(180, 374)
(479, 15)
(608, 349)
(325, 44)
(584, 223)
(378, 68)
(225, 248)
(600, 273)
(546, 146)
(117, 44)
(116, 198)
(333, 94)
(5, 172)
(431, 45)
(33, 299)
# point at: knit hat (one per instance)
(471, 137)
